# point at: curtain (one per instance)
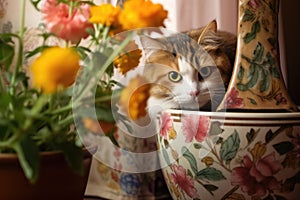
(188, 14)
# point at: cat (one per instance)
(189, 70)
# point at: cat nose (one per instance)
(194, 93)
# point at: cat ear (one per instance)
(207, 30)
(151, 45)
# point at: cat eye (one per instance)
(174, 76)
(174, 54)
(205, 71)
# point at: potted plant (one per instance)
(37, 102)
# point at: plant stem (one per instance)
(20, 50)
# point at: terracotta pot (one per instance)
(214, 155)
(56, 179)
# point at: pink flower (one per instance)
(184, 181)
(195, 126)
(254, 3)
(165, 124)
(232, 100)
(256, 178)
(280, 99)
(71, 27)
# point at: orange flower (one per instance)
(107, 15)
(134, 97)
(141, 14)
(98, 127)
(128, 61)
(55, 68)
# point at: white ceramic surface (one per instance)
(215, 155)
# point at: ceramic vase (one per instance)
(257, 82)
(249, 148)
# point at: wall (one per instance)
(291, 25)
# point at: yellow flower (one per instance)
(258, 150)
(142, 13)
(207, 160)
(172, 134)
(98, 127)
(134, 97)
(107, 15)
(55, 68)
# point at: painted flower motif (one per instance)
(280, 99)
(258, 151)
(165, 124)
(68, 26)
(141, 14)
(194, 126)
(185, 182)
(133, 100)
(254, 3)
(292, 159)
(232, 100)
(256, 178)
(208, 161)
(55, 68)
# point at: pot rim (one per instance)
(240, 115)
(87, 152)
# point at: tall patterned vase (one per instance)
(257, 82)
(251, 151)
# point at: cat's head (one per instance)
(184, 69)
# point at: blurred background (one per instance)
(186, 14)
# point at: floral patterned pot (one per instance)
(218, 155)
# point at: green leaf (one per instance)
(230, 147)
(252, 101)
(216, 128)
(28, 154)
(166, 156)
(269, 136)
(252, 34)
(249, 16)
(290, 183)
(242, 87)
(283, 147)
(211, 174)
(74, 156)
(265, 83)
(7, 53)
(191, 159)
(210, 187)
(258, 52)
(251, 135)
(253, 78)
(241, 73)
(197, 146)
(5, 99)
(275, 72)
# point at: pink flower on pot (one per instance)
(256, 178)
(68, 26)
(165, 124)
(232, 100)
(254, 4)
(184, 181)
(195, 126)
